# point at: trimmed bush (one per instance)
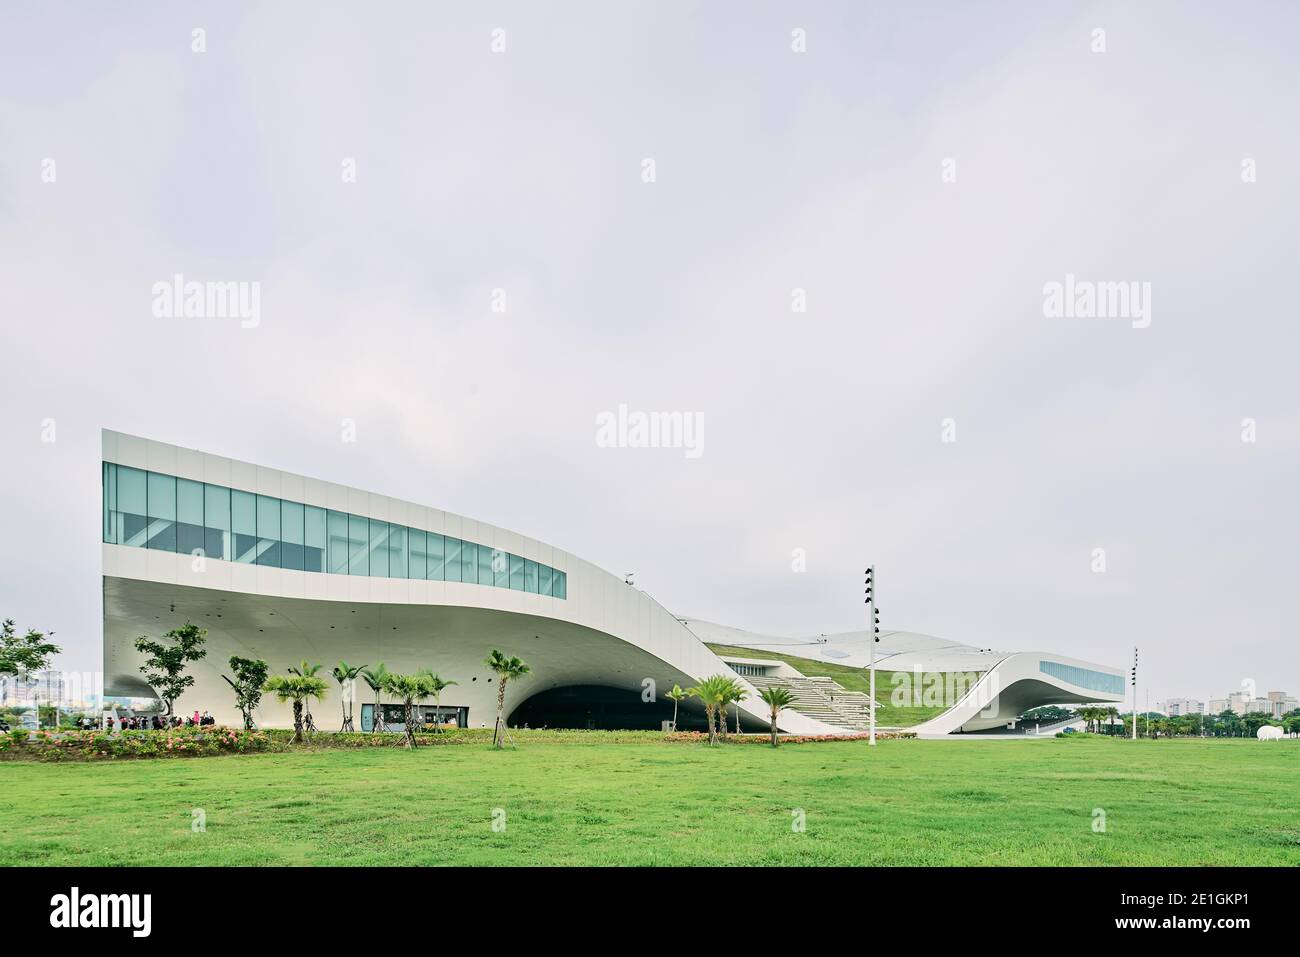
(210, 741)
(174, 742)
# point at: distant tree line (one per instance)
(1108, 720)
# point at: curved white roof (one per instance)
(897, 650)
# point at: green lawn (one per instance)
(905, 802)
(851, 679)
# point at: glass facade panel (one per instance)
(436, 545)
(133, 512)
(268, 531)
(216, 522)
(1083, 677)
(243, 517)
(162, 512)
(189, 517)
(110, 503)
(452, 564)
(417, 557)
(314, 539)
(397, 551)
(337, 528)
(358, 545)
(291, 533)
(378, 548)
(469, 562)
(150, 510)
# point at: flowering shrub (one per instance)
(206, 741)
(173, 742)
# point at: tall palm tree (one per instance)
(345, 673)
(410, 688)
(439, 686)
(376, 678)
(712, 692)
(676, 696)
(505, 668)
(298, 689)
(776, 698)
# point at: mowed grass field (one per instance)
(1231, 802)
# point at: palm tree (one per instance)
(712, 692)
(298, 689)
(439, 686)
(676, 695)
(409, 688)
(344, 673)
(307, 670)
(736, 693)
(377, 677)
(506, 668)
(776, 698)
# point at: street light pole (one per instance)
(875, 637)
(1134, 679)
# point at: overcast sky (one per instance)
(775, 170)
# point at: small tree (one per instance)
(250, 675)
(164, 664)
(776, 698)
(344, 674)
(26, 654)
(307, 670)
(735, 694)
(298, 689)
(676, 696)
(505, 668)
(377, 678)
(712, 692)
(439, 686)
(408, 689)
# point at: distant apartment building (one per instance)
(1281, 703)
(1276, 704)
(43, 686)
(1180, 707)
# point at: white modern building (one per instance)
(287, 568)
(1180, 707)
(983, 689)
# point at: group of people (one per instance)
(156, 722)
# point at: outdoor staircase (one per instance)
(822, 698)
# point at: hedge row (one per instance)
(206, 741)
